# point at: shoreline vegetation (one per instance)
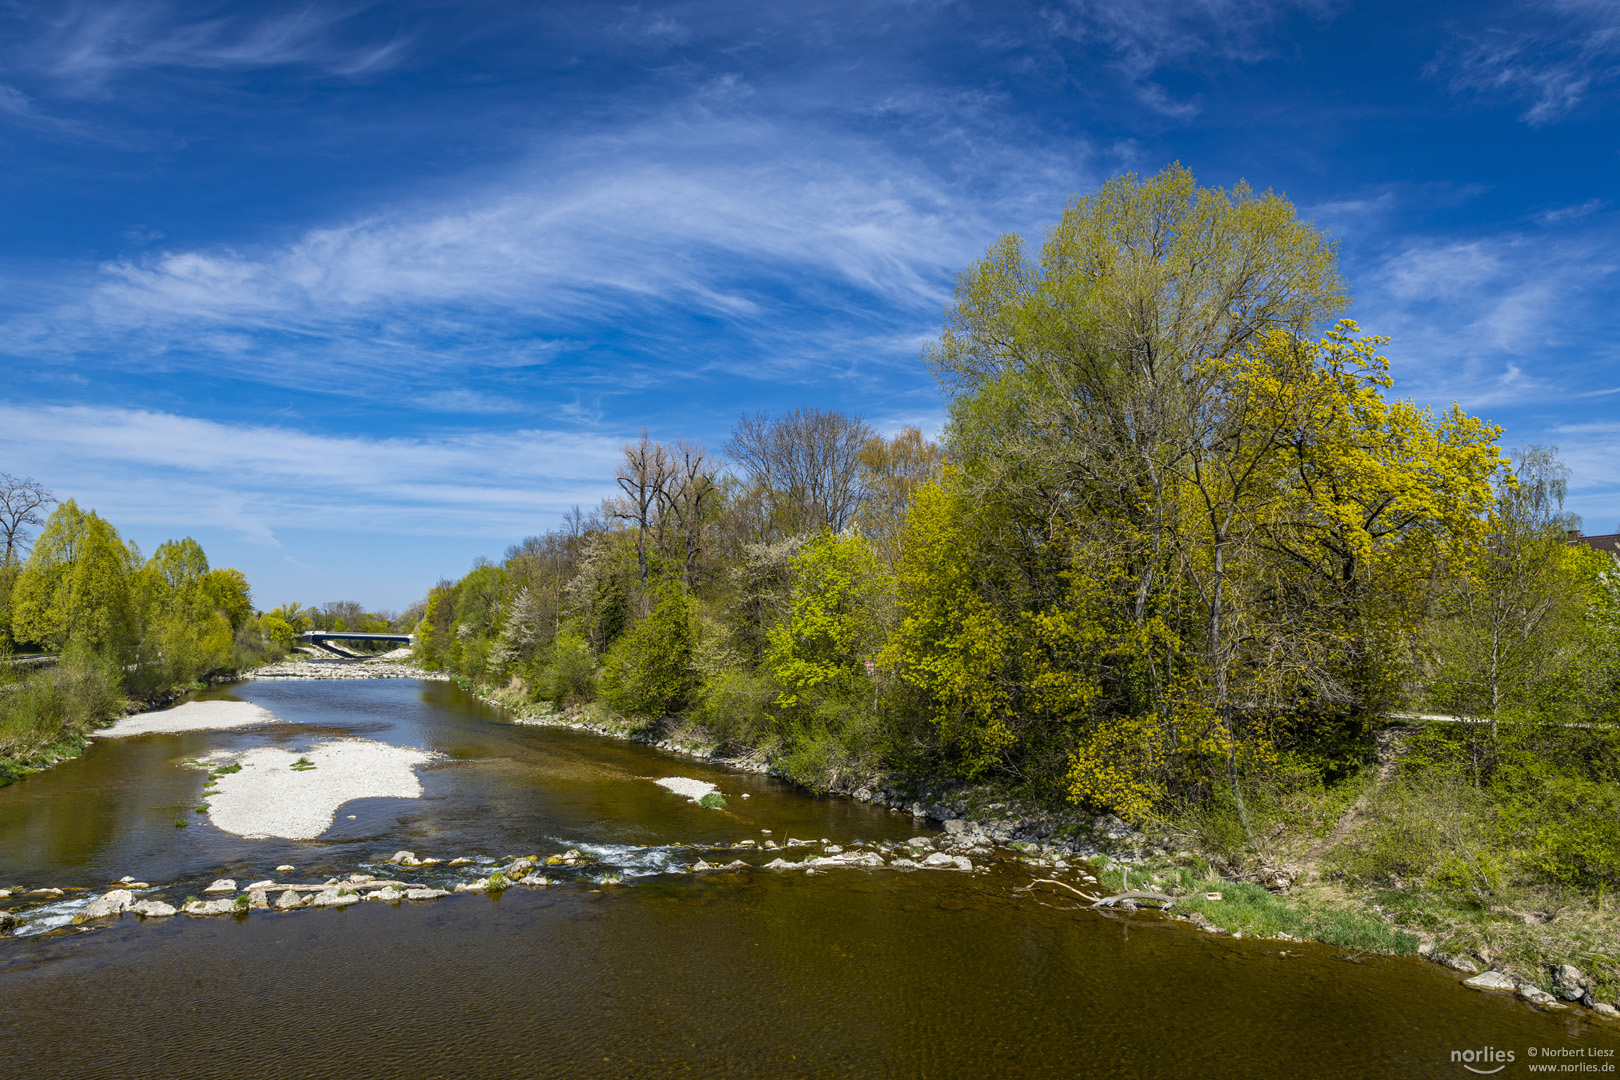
(1181, 559)
(1160, 596)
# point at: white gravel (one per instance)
(191, 716)
(270, 798)
(685, 785)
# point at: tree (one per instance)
(1508, 614)
(75, 587)
(1076, 376)
(649, 673)
(687, 500)
(643, 474)
(835, 620)
(21, 501)
(891, 472)
(807, 465)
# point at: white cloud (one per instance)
(729, 220)
(142, 467)
(1476, 320)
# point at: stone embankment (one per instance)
(1570, 985)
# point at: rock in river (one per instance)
(114, 903)
(152, 909)
(1538, 997)
(289, 899)
(210, 907)
(224, 884)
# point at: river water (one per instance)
(850, 972)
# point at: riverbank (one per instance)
(1551, 959)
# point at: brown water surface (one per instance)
(845, 973)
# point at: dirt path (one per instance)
(1391, 744)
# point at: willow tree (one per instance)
(75, 586)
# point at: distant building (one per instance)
(1609, 542)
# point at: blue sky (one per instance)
(355, 293)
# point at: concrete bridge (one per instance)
(321, 640)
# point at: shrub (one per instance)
(1430, 824)
(733, 707)
(649, 673)
(59, 704)
(569, 678)
(713, 801)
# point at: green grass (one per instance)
(1252, 911)
(713, 801)
(497, 881)
(226, 770)
(303, 764)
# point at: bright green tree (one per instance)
(648, 673)
(75, 587)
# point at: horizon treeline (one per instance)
(1178, 554)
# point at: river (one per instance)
(849, 972)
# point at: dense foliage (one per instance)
(125, 627)
(1180, 555)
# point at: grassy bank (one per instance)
(46, 714)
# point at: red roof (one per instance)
(1611, 542)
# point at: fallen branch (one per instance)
(1110, 901)
(1048, 881)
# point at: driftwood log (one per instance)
(1103, 901)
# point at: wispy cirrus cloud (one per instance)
(1141, 38)
(86, 47)
(695, 216)
(1551, 56)
(1477, 319)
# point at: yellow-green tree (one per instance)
(75, 586)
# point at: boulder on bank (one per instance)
(1570, 983)
(1492, 980)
